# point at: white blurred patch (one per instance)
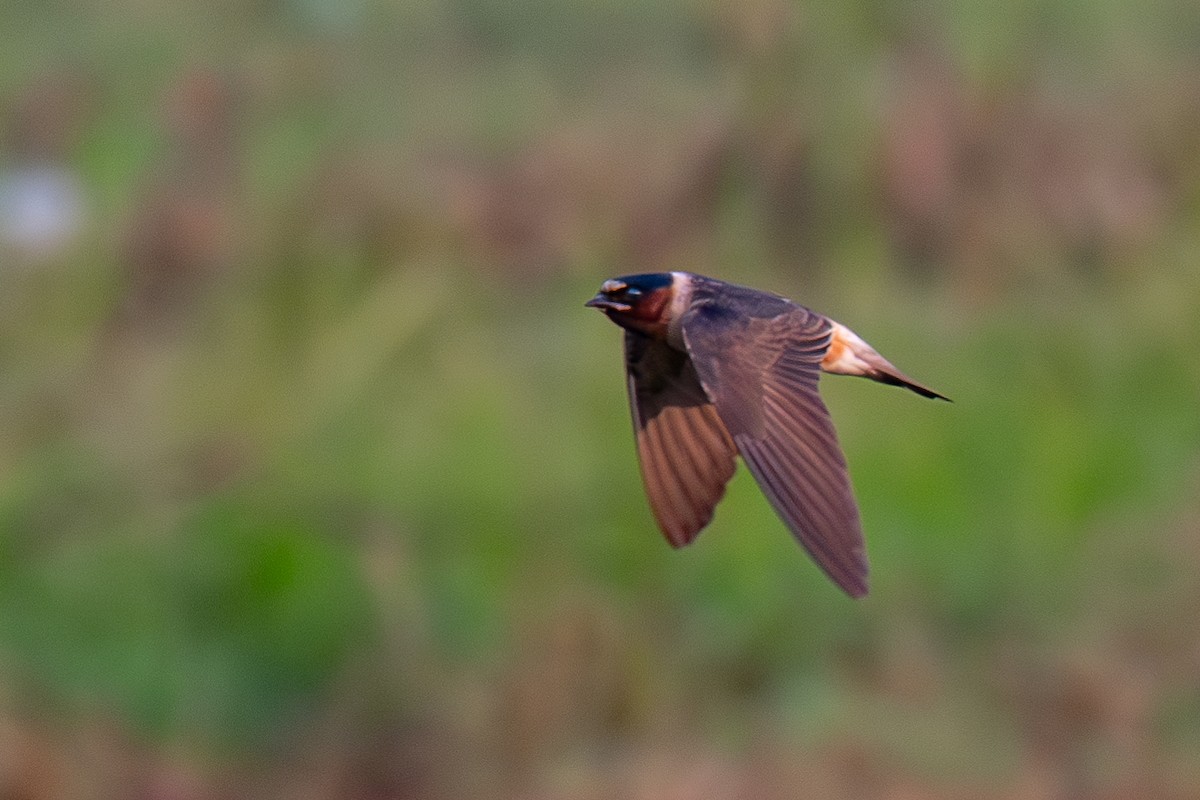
(41, 209)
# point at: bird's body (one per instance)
(716, 370)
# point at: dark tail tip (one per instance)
(899, 379)
(925, 391)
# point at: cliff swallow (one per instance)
(715, 369)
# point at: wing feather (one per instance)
(761, 373)
(686, 454)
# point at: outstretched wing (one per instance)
(686, 455)
(761, 374)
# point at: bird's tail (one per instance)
(886, 373)
(848, 354)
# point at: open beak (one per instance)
(604, 303)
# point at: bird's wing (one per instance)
(761, 373)
(685, 452)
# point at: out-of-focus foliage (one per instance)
(316, 478)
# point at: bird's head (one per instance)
(640, 303)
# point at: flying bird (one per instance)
(715, 370)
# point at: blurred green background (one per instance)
(317, 480)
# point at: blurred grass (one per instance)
(316, 470)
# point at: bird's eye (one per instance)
(620, 291)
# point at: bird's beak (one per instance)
(605, 304)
